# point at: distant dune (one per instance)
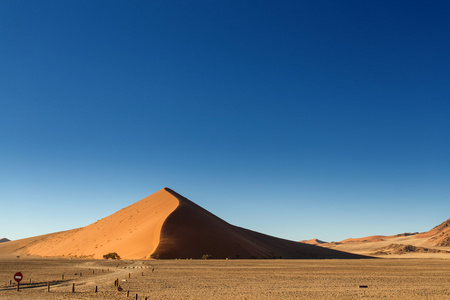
(439, 235)
(433, 243)
(4, 240)
(373, 238)
(313, 242)
(165, 225)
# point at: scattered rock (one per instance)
(406, 234)
(445, 242)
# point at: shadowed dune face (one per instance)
(165, 225)
(191, 232)
(4, 240)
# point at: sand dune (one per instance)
(133, 232)
(439, 235)
(373, 238)
(165, 225)
(435, 242)
(313, 242)
(4, 240)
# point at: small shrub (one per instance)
(206, 256)
(112, 255)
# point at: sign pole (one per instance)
(18, 277)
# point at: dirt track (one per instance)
(229, 279)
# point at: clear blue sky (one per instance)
(299, 119)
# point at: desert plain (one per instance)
(227, 279)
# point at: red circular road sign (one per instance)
(18, 276)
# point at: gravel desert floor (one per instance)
(227, 279)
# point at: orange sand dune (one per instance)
(133, 232)
(373, 238)
(439, 235)
(313, 242)
(165, 225)
(433, 242)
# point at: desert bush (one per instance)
(206, 256)
(112, 255)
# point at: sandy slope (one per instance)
(15, 248)
(401, 245)
(133, 232)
